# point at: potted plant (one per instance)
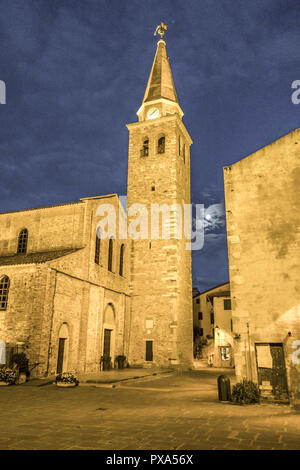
(120, 361)
(66, 379)
(21, 362)
(7, 376)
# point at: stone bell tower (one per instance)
(161, 328)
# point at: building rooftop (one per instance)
(216, 287)
(81, 201)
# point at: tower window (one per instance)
(122, 249)
(97, 246)
(227, 304)
(145, 148)
(4, 288)
(152, 188)
(110, 254)
(179, 145)
(161, 145)
(22, 242)
(212, 318)
(183, 153)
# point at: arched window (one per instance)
(121, 270)
(145, 148)
(110, 254)
(4, 289)
(161, 145)
(97, 246)
(22, 242)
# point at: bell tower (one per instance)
(161, 324)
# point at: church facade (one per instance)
(68, 297)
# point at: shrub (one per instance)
(245, 392)
(8, 375)
(67, 377)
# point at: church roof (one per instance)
(35, 258)
(160, 83)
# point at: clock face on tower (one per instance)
(153, 113)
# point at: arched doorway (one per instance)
(63, 349)
(108, 346)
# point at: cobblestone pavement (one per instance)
(179, 411)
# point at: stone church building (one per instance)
(69, 298)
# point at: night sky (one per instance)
(76, 73)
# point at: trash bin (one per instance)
(224, 388)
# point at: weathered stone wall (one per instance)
(21, 321)
(263, 219)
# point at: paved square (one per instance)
(171, 411)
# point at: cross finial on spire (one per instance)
(161, 28)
